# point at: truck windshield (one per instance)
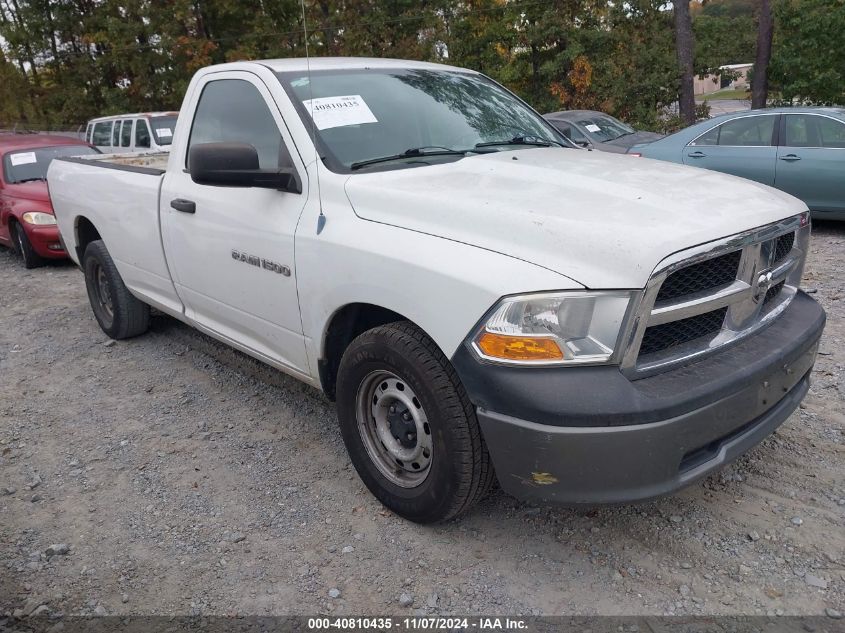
(163, 127)
(394, 118)
(31, 164)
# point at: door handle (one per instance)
(696, 154)
(185, 206)
(790, 158)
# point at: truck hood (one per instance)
(603, 220)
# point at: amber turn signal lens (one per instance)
(519, 347)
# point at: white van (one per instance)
(125, 133)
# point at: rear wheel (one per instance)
(408, 425)
(119, 313)
(23, 246)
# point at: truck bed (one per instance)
(117, 194)
(146, 161)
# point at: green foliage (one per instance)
(728, 8)
(64, 61)
(723, 40)
(808, 63)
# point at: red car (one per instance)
(27, 224)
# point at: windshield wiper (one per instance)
(414, 152)
(32, 179)
(522, 140)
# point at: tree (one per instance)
(65, 61)
(808, 61)
(721, 40)
(684, 47)
(760, 78)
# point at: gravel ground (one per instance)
(170, 475)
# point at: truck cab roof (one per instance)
(339, 63)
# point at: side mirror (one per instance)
(236, 165)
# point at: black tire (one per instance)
(23, 246)
(459, 472)
(120, 314)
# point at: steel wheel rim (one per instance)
(102, 290)
(394, 428)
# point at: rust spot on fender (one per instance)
(543, 479)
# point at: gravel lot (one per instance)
(179, 477)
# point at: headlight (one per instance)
(41, 219)
(555, 328)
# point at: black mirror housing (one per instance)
(236, 165)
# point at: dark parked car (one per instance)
(797, 150)
(597, 130)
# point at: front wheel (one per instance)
(408, 425)
(119, 313)
(30, 258)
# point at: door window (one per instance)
(748, 131)
(115, 137)
(710, 137)
(101, 135)
(810, 130)
(88, 131)
(142, 134)
(126, 134)
(831, 132)
(233, 111)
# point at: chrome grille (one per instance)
(706, 275)
(783, 246)
(772, 293)
(715, 295)
(661, 337)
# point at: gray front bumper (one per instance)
(615, 456)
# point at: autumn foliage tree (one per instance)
(64, 61)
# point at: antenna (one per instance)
(321, 220)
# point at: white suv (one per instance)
(130, 133)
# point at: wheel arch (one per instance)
(12, 222)
(84, 233)
(344, 325)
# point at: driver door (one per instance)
(231, 249)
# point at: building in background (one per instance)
(713, 83)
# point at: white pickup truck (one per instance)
(481, 299)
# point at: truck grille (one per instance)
(706, 275)
(773, 292)
(783, 246)
(662, 337)
(716, 294)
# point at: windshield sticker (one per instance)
(165, 132)
(24, 158)
(592, 127)
(329, 112)
(298, 83)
